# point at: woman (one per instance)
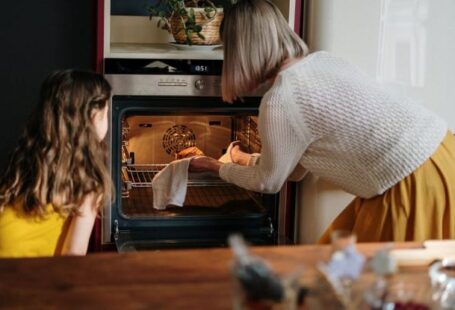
(57, 177)
(324, 115)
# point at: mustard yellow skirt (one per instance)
(418, 208)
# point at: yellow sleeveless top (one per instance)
(24, 235)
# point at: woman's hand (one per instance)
(204, 164)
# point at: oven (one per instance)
(159, 108)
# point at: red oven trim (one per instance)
(288, 202)
(287, 213)
(298, 17)
(99, 36)
(95, 238)
(287, 222)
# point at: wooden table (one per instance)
(184, 279)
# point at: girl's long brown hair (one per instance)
(59, 158)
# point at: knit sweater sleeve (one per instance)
(281, 150)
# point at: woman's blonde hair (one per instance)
(59, 158)
(257, 40)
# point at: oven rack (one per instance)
(248, 135)
(141, 175)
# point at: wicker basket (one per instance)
(210, 30)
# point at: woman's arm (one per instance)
(239, 157)
(298, 174)
(281, 151)
(80, 228)
(246, 159)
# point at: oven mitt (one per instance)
(226, 158)
(169, 185)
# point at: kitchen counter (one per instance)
(171, 279)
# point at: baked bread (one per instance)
(189, 152)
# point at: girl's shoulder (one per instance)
(16, 211)
(23, 234)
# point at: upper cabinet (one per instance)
(130, 33)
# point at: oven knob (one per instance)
(199, 84)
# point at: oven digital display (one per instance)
(199, 68)
(163, 66)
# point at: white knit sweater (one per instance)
(339, 124)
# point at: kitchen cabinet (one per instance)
(129, 33)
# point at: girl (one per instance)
(323, 115)
(57, 176)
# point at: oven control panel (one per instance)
(199, 84)
(158, 85)
(176, 82)
(166, 77)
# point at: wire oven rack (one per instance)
(141, 175)
(248, 135)
(199, 201)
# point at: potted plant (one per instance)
(191, 22)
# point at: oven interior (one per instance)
(150, 142)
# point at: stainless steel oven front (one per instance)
(160, 107)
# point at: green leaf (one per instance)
(197, 28)
(201, 36)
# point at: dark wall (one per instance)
(37, 37)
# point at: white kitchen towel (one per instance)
(169, 185)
